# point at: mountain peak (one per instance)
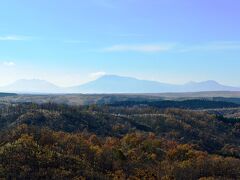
(210, 82)
(202, 82)
(114, 77)
(31, 86)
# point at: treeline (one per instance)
(232, 100)
(7, 94)
(185, 104)
(232, 121)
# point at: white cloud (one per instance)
(175, 47)
(97, 74)
(9, 64)
(139, 48)
(212, 46)
(14, 38)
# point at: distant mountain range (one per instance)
(32, 86)
(115, 84)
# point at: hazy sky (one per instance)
(69, 42)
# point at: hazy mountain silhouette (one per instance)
(118, 84)
(115, 84)
(207, 86)
(31, 86)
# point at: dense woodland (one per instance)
(127, 140)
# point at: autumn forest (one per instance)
(120, 140)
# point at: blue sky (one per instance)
(70, 42)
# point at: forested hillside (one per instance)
(126, 140)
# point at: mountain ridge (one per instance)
(115, 84)
(121, 84)
(31, 86)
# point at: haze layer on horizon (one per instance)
(72, 42)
